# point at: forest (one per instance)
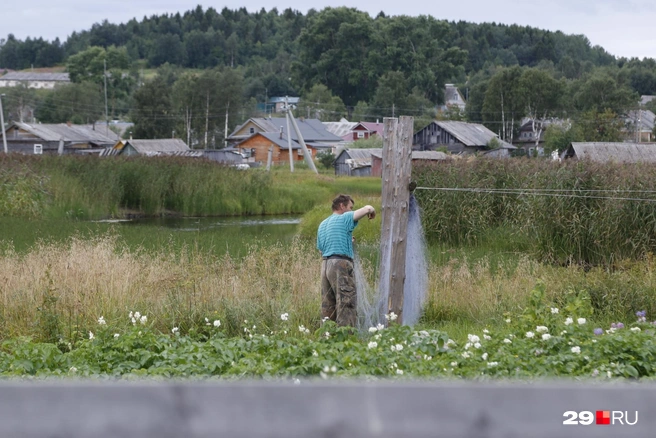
(189, 72)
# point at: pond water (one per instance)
(215, 235)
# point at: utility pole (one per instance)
(225, 136)
(105, 78)
(289, 136)
(2, 123)
(301, 141)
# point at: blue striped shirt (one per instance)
(335, 235)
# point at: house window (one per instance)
(360, 134)
(251, 130)
(38, 149)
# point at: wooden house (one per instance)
(152, 148)
(66, 138)
(417, 157)
(639, 126)
(459, 137)
(256, 148)
(38, 80)
(313, 131)
(612, 152)
(354, 162)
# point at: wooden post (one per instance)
(397, 165)
(269, 158)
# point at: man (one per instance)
(335, 242)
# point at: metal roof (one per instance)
(617, 152)
(644, 118)
(341, 128)
(69, 133)
(166, 146)
(471, 134)
(311, 129)
(35, 76)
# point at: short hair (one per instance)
(341, 199)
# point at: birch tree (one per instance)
(541, 94)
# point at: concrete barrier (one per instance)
(87, 409)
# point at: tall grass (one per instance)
(57, 291)
(596, 213)
(91, 188)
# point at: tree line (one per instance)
(341, 61)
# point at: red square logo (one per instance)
(603, 417)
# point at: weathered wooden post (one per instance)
(397, 166)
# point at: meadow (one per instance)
(69, 298)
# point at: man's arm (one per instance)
(367, 210)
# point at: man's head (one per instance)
(342, 203)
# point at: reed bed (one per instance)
(56, 292)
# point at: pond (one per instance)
(214, 235)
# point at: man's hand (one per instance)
(367, 210)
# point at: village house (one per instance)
(62, 138)
(460, 137)
(37, 80)
(256, 148)
(639, 126)
(611, 152)
(152, 148)
(355, 162)
(453, 98)
(277, 104)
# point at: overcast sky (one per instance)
(622, 27)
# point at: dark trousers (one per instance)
(338, 294)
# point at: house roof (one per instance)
(645, 99)
(341, 128)
(452, 95)
(164, 146)
(69, 133)
(292, 100)
(35, 76)
(358, 157)
(311, 129)
(471, 134)
(373, 126)
(618, 152)
(644, 118)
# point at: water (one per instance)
(373, 303)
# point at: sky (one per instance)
(622, 27)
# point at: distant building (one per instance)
(612, 152)
(34, 79)
(256, 148)
(277, 104)
(152, 148)
(52, 138)
(640, 126)
(460, 137)
(453, 98)
(313, 131)
(354, 162)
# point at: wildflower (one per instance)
(492, 364)
(454, 364)
(487, 337)
(465, 355)
(284, 316)
(484, 356)
(101, 320)
(324, 319)
(394, 365)
(486, 331)
(72, 370)
(581, 321)
(130, 315)
(468, 345)
(397, 347)
(372, 344)
(427, 357)
(450, 342)
(175, 330)
(217, 323)
(508, 321)
(609, 374)
(327, 335)
(641, 314)
(380, 327)
(302, 329)
(576, 350)
(477, 345)
(399, 372)
(569, 321)
(595, 373)
(116, 335)
(635, 329)
(207, 322)
(620, 325)
(554, 310)
(546, 337)
(541, 329)
(391, 316)
(473, 338)
(507, 341)
(564, 332)
(143, 319)
(314, 353)
(530, 334)
(91, 335)
(598, 331)
(373, 329)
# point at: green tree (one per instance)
(361, 112)
(391, 98)
(598, 126)
(603, 91)
(19, 102)
(559, 137)
(504, 104)
(91, 64)
(76, 103)
(319, 103)
(151, 110)
(541, 95)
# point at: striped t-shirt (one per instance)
(335, 235)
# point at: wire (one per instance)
(539, 192)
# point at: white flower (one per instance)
(137, 315)
(563, 332)
(101, 320)
(134, 321)
(427, 357)
(216, 323)
(143, 319)
(72, 370)
(284, 316)
(487, 337)
(554, 310)
(333, 369)
(130, 315)
(546, 337)
(327, 335)
(477, 345)
(508, 321)
(450, 342)
(507, 341)
(576, 350)
(116, 335)
(530, 334)
(380, 327)
(314, 353)
(611, 330)
(373, 329)
(297, 382)
(302, 329)
(484, 356)
(473, 338)
(91, 335)
(399, 372)
(492, 364)
(175, 330)
(372, 344)
(569, 321)
(324, 319)
(609, 374)
(581, 321)
(635, 329)
(391, 316)
(454, 364)
(465, 355)
(541, 329)
(397, 347)
(486, 331)
(468, 345)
